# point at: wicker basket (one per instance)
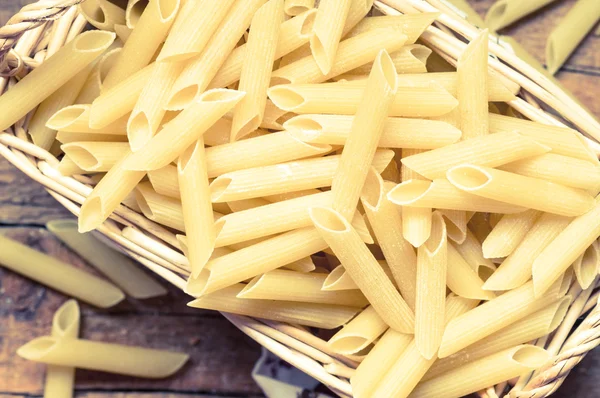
(39, 29)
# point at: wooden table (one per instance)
(221, 356)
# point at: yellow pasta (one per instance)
(105, 357)
(327, 32)
(256, 71)
(456, 224)
(123, 32)
(506, 236)
(462, 279)
(66, 138)
(471, 252)
(75, 119)
(464, 8)
(492, 150)
(198, 72)
(505, 12)
(67, 167)
(363, 268)
(358, 333)
(326, 316)
(102, 14)
(95, 156)
(416, 221)
(363, 140)
(183, 130)
(296, 7)
(284, 177)
(161, 209)
(412, 25)
(150, 31)
(343, 98)
(283, 285)
(134, 11)
(586, 266)
(520, 190)
(409, 59)
(44, 80)
(564, 249)
(384, 218)
(58, 275)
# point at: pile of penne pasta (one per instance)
(322, 168)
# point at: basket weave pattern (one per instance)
(39, 29)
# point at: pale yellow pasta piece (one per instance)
(479, 226)
(409, 59)
(520, 190)
(290, 195)
(363, 268)
(563, 250)
(363, 140)
(76, 119)
(472, 87)
(196, 205)
(358, 333)
(255, 259)
(105, 357)
(416, 221)
(102, 14)
(515, 270)
(246, 204)
(58, 275)
(505, 12)
(283, 285)
(93, 85)
(462, 279)
(569, 32)
(161, 209)
(134, 11)
(327, 32)
(506, 236)
(296, 7)
(384, 218)
(586, 266)
(343, 98)
(177, 135)
(67, 167)
(484, 372)
(165, 181)
(469, 13)
(150, 31)
(326, 316)
(571, 172)
(441, 194)
(412, 25)
(256, 70)
(199, 72)
(472, 253)
(491, 150)
(95, 156)
(350, 54)
(123, 32)
(65, 138)
(44, 80)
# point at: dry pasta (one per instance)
(505, 12)
(586, 266)
(505, 236)
(95, 156)
(102, 14)
(358, 333)
(296, 7)
(327, 32)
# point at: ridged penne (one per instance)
(586, 266)
(358, 333)
(462, 279)
(95, 156)
(416, 221)
(102, 14)
(409, 59)
(506, 236)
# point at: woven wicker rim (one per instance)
(40, 29)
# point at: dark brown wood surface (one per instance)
(221, 356)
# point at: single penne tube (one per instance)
(326, 316)
(197, 208)
(412, 25)
(95, 156)
(385, 352)
(538, 324)
(65, 325)
(462, 279)
(569, 32)
(327, 32)
(432, 265)
(416, 221)
(479, 226)
(473, 87)
(515, 270)
(386, 223)
(105, 357)
(283, 285)
(296, 7)
(441, 194)
(41, 135)
(351, 53)
(487, 371)
(284, 177)
(505, 12)
(519, 190)
(562, 140)
(218, 133)
(344, 98)
(293, 33)
(177, 135)
(564, 170)
(565, 248)
(256, 71)
(465, 10)
(456, 224)
(274, 148)
(158, 208)
(255, 259)
(358, 333)
(123, 32)
(490, 150)
(76, 119)
(67, 167)
(363, 140)
(44, 80)
(492, 316)
(102, 14)
(165, 181)
(338, 279)
(112, 189)
(471, 252)
(506, 236)
(363, 268)
(407, 368)
(409, 59)
(586, 266)
(115, 266)
(134, 11)
(66, 138)
(194, 26)
(57, 275)
(150, 31)
(198, 72)
(120, 100)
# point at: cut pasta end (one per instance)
(586, 266)
(318, 148)
(246, 292)
(94, 40)
(94, 14)
(285, 97)
(468, 178)
(221, 95)
(319, 53)
(552, 63)
(91, 215)
(37, 348)
(196, 287)
(278, 80)
(167, 9)
(306, 29)
(218, 187)
(408, 192)
(83, 158)
(134, 12)
(182, 98)
(239, 132)
(139, 131)
(66, 318)
(328, 219)
(494, 19)
(65, 117)
(293, 10)
(530, 356)
(335, 280)
(304, 127)
(373, 190)
(421, 53)
(348, 344)
(388, 70)
(438, 237)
